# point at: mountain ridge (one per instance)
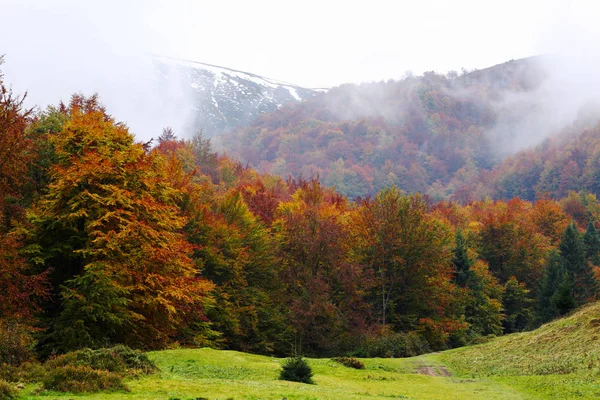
(223, 98)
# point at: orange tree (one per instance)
(109, 231)
(20, 288)
(325, 288)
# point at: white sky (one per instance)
(311, 43)
(56, 47)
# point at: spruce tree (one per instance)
(482, 298)
(572, 252)
(461, 261)
(555, 293)
(591, 241)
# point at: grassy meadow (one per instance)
(561, 360)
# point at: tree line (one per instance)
(107, 241)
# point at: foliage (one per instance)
(479, 291)
(325, 286)
(509, 240)
(518, 306)
(119, 359)
(105, 241)
(81, 379)
(111, 236)
(16, 343)
(22, 289)
(556, 287)
(296, 369)
(7, 391)
(394, 345)
(26, 372)
(349, 362)
(409, 253)
(424, 134)
(573, 254)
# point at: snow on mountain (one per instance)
(223, 98)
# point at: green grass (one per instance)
(561, 360)
(213, 374)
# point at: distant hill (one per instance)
(224, 98)
(426, 134)
(569, 161)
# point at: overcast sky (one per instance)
(56, 47)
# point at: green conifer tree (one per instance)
(572, 251)
(555, 290)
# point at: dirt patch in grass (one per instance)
(433, 371)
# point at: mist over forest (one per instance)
(274, 181)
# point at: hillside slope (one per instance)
(566, 162)
(223, 98)
(559, 360)
(569, 345)
(424, 134)
(443, 135)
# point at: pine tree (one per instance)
(555, 295)
(572, 251)
(517, 306)
(481, 293)
(461, 261)
(591, 241)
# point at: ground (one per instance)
(560, 360)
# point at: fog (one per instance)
(568, 99)
(55, 48)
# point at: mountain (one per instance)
(566, 162)
(223, 98)
(424, 134)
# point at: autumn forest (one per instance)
(331, 246)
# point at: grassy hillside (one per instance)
(567, 346)
(561, 360)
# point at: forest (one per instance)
(156, 245)
(461, 137)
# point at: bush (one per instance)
(16, 344)
(349, 362)
(394, 345)
(296, 369)
(81, 379)
(26, 372)
(7, 392)
(135, 360)
(119, 359)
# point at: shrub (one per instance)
(16, 344)
(7, 392)
(135, 360)
(296, 369)
(95, 359)
(395, 345)
(119, 359)
(81, 379)
(26, 372)
(350, 362)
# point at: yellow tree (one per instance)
(410, 253)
